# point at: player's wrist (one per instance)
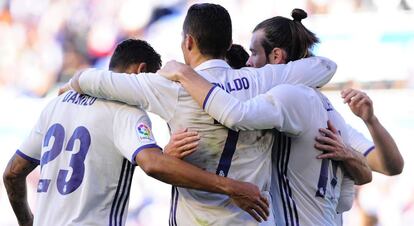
(371, 120)
(226, 185)
(186, 74)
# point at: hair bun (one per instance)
(299, 14)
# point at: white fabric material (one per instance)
(251, 160)
(359, 142)
(93, 141)
(299, 111)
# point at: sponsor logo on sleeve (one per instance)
(144, 132)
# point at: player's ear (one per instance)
(142, 67)
(189, 42)
(277, 56)
(135, 68)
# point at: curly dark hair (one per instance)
(132, 51)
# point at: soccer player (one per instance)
(268, 37)
(305, 190)
(245, 155)
(87, 149)
(271, 44)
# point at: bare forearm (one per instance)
(195, 85)
(386, 158)
(182, 174)
(14, 178)
(357, 168)
(179, 173)
(16, 191)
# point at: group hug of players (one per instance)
(254, 145)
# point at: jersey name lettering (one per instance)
(79, 99)
(235, 85)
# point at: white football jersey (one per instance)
(86, 149)
(358, 142)
(305, 190)
(243, 156)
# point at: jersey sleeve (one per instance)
(346, 197)
(148, 91)
(279, 108)
(359, 142)
(313, 72)
(132, 132)
(31, 147)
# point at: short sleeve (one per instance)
(132, 132)
(31, 147)
(346, 197)
(359, 142)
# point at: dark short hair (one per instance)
(132, 51)
(237, 56)
(210, 25)
(290, 35)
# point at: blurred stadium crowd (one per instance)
(43, 42)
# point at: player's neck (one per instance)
(199, 59)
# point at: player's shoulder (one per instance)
(52, 104)
(115, 108)
(125, 110)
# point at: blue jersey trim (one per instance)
(142, 148)
(173, 208)
(227, 154)
(368, 151)
(28, 158)
(121, 197)
(126, 198)
(283, 148)
(208, 95)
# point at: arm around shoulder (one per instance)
(312, 71)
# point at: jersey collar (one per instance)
(215, 63)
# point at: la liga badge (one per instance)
(144, 132)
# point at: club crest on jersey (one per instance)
(144, 132)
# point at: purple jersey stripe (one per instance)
(173, 209)
(208, 95)
(142, 148)
(283, 144)
(170, 223)
(227, 154)
(112, 218)
(123, 192)
(278, 143)
(368, 151)
(28, 158)
(289, 141)
(131, 172)
(175, 206)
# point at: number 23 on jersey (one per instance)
(65, 185)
